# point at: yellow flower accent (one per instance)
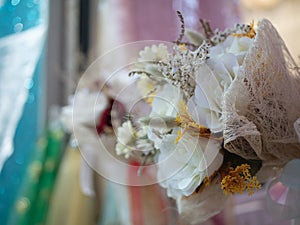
(180, 134)
(185, 121)
(150, 99)
(238, 180)
(147, 88)
(250, 34)
(206, 181)
(182, 47)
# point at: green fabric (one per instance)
(32, 201)
(27, 195)
(47, 181)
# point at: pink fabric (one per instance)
(157, 20)
(135, 196)
(220, 13)
(278, 193)
(140, 211)
(153, 20)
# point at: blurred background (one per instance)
(45, 47)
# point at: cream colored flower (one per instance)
(126, 138)
(143, 143)
(182, 166)
(164, 111)
(146, 87)
(154, 53)
(150, 56)
(166, 101)
(213, 79)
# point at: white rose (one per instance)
(213, 79)
(182, 166)
(164, 111)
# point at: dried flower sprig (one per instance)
(238, 180)
(246, 30)
(240, 30)
(182, 28)
(206, 28)
(186, 122)
(180, 67)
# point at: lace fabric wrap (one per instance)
(263, 103)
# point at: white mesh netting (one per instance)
(263, 103)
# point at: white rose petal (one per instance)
(155, 138)
(183, 166)
(213, 78)
(165, 102)
(126, 137)
(126, 133)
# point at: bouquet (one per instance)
(223, 117)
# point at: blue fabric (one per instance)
(26, 136)
(17, 16)
(110, 214)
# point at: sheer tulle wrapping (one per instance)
(262, 104)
